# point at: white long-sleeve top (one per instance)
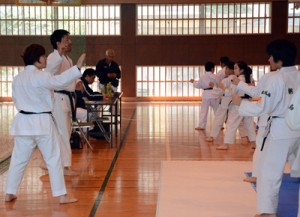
(203, 83)
(218, 91)
(57, 64)
(293, 122)
(221, 73)
(232, 88)
(292, 117)
(31, 92)
(255, 91)
(275, 99)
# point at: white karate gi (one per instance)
(281, 141)
(234, 119)
(255, 91)
(221, 113)
(56, 64)
(221, 73)
(292, 119)
(208, 98)
(222, 110)
(32, 93)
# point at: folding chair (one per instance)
(81, 126)
(76, 124)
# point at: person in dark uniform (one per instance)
(107, 70)
(83, 90)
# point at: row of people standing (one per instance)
(217, 92)
(278, 137)
(43, 95)
(280, 142)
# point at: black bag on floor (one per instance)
(96, 132)
(75, 141)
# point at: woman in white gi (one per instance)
(222, 110)
(208, 98)
(59, 61)
(280, 141)
(234, 119)
(34, 125)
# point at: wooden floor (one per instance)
(121, 181)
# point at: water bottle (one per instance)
(109, 89)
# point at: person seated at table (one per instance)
(83, 90)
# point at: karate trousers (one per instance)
(24, 146)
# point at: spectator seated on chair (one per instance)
(83, 90)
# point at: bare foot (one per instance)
(64, 199)
(266, 215)
(209, 139)
(10, 197)
(199, 128)
(43, 167)
(250, 179)
(69, 172)
(244, 140)
(222, 147)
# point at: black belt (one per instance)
(209, 88)
(265, 138)
(246, 97)
(33, 113)
(70, 95)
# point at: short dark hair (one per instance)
(230, 65)
(224, 59)
(89, 72)
(56, 36)
(32, 54)
(209, 66)
(282, 50)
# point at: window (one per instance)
(259, 71)
(43, 20)
(7, 74)
(294, 18)
(7, 112)
(167, 81)
(204, 19)
(174, 81)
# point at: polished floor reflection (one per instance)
(121, 181)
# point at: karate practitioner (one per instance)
(58, 62)
(234, 120)
(279, 141)
(292, 119)
(34, 126)
(221, 73)
(208, 98)
(292, 116)
(254, 91)
(222, 110)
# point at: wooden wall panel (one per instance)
(132, 50)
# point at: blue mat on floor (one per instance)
(288, 196)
